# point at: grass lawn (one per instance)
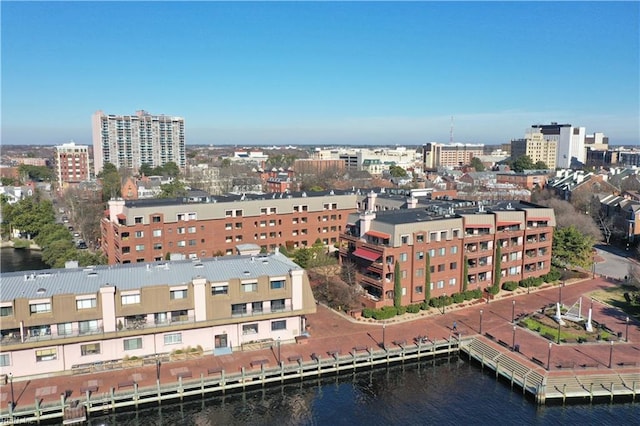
(614, 296)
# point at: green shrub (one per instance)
(367, 312)
(476, 294)
(385, 313)
(458, 297)
(425, 305)
(413, 309)
(401, 310)
(494, 289)
(510, 285)
(553, 275)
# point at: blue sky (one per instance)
(322, 73)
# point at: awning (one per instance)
(367, 254)
(378, 234)
(121, 216)
(538, 219)
(507, 223)
(479, 226)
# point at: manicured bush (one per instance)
(385, 313)
(401, 310)
(494, 289)
(476, 293)
(425, 305)
(458, 297)
(413, 309)
(553, 275)
(367, 312)
(510, 285)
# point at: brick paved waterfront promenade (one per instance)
(330, 331)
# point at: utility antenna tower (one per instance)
(451, 131)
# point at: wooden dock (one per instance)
(545, 386)
(219, 382)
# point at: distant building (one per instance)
(537, 147)
(570, 140)
(129, 141)
(454, 155)
(72, 164)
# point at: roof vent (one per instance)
(247, 273)
(92, 274)
(41, 291)
(198, 265)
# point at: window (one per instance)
(64, 329)
(155, 219)
(88, 326)
(453, 265)
(239, 309)
(90, 349)
(46, 354)
(182, 243)
(404, 291)
(139, 247)
(443, 251)
(191, 230)
(403, 257)
(432, 253)
(420, 238)
(181, 230)
(173, 338)
(157, 246)
(219, 289)
(40, 308)
(452, 282)
(404, 239)
(249, 287)
(131, 344)
(441, 284)
(86, 303)
(256, 307)
(277, 285)
(403, 274)
(278, 325)
(139, 234)
(250, 329)
(157, 232)
(137, 219)
(228, 226)
(441, 268)
(277, 305)
(420, 255)
(192, 242)
(130, 299)
(6, 311)
(453, 250)
(419, 289)
(178, 294)
(5, 360)
(433, 236)
(419, 272)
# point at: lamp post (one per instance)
(558, 331)
(626, 330)
(513, 343)
(513, 311)
(279, 354)
(480, 321)
(13, 400)
(610, 354)
(157, 368)
(549, 356)
(384, 327)
(560, 295)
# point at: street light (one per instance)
(384, 326)
(610, 354)
(513, 343)
(480, 321)
(157, 367)
(279, 355)
(549, 356)
(626, 331)
(513, 311)
(559, 330)
(13, 399)
(560, 295)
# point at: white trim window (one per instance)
(130, 298)
(84, 302)
(173, 338)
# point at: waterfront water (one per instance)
(20, 260)
(448, 393)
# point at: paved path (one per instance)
(332, 331)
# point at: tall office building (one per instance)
(537, 147)
(453, 155)
(132, 140)
(570, 140)
(72, 164)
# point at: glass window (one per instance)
(6, 311)
(139, 247)
(454, 250)
(277, 305)
(219, 289)
(173, 338)
(139, 234)
(64, 329)
(443, 251)
(90, 349)
(39, 308)
(5, 360)
(277, 285)
(250, 329)
(46, 354)
(249, 287)
(403, 257)
(88, 326)
(192, 230)
(130, 299)
(86, 303)
(131, 344)
(178, 294)
(419, 289)
(256, 307)
(452, 281)
(239, 309)
(278, 325)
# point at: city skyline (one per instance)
(322, 73)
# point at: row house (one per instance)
(63, 319)
(449, 233)
(153, 230)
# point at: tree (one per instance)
(174, 189)
(30, 216)
(427, 278)
(397, 286)
(522, 163)
(540, 165)
(302, 256)
(476, 163)
(52, 232)
(397, 171)
(38, 173)
(465, 274)
(145, 169)
(497, 273)
(111, 182)
(572, 247)
(171, 169)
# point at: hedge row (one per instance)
(438, 302)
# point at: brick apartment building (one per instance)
(156, 229)
(451, 233)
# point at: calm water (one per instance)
(20, 260)
(450, 393)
